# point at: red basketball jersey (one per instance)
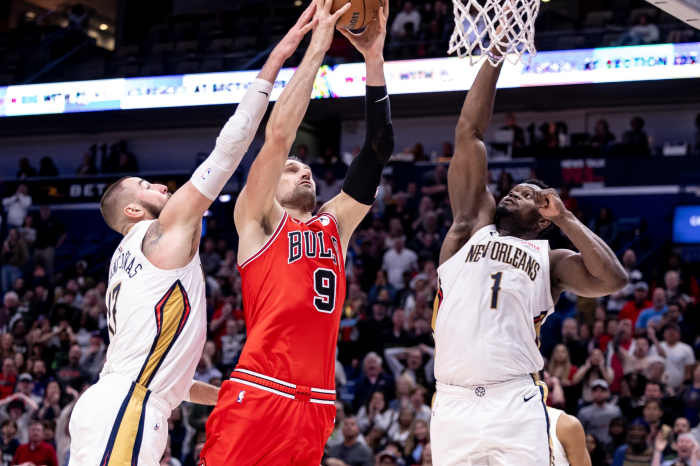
(293, 293)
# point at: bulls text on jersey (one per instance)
(312, 245)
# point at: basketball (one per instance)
(360, 14)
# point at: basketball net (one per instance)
(498, 29)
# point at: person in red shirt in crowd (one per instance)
(8, 378)
(623, 340)
(37, 451)
(634, 307)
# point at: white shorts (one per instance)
(499, 424)
(118, 422)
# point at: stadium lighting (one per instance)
(224, 198)
(103, 27)
(297, 2)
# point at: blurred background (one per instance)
(625, 156)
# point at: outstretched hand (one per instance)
(325, 24)
(289, 43)
(370, 42)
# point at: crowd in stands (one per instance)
(234, 38)
(625, 365)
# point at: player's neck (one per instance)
(298, 214)
(504, 229)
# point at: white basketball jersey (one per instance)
(493, 296)
(560, 458)
(157, 320)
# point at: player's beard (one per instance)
(511, 221)
(153, 209)
(301, 198)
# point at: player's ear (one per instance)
(543, 224)
(134, 211)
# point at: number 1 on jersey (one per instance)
(495, 289)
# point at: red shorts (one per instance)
(262, 422)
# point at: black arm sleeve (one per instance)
(365, 171)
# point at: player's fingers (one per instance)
(309, 26)
(341, 11)
(384, 11)
(308, 14)
(328, 4)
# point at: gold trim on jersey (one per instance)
(125, 440)
(544, 390)
(171, 313)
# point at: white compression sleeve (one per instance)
(233, 141)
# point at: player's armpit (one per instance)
(573, 438)
(569, 272)
(349, 214)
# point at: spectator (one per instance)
(8, 442)
(407, 15)
(328, 187)
(351, 452)
(8, 377)
(602, 137)
(211, 260)
(415, 367)
(672, 282)
(595, 451)
(653, 415)
(418, 396)
(88, 166)
(643, 32)
(518, 133)
(636, 450)
(594, 368)
(25, 169)
(635, 140)
(560, 365)
(36, 451)
(604, 225)
(690, 398)
(336, 437)
(15, 256)
(596, 417)
(50, 236)
(686, 446)
(93, 357)
(571, 339)
(398, 260)
(417, 441)
(47, 167)
(375, 413)
(655, 312)
(679, 356)
(634, 307)
(401, 427)
(373, 379)
(231, 344)
(17, 205)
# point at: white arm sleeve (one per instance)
(233, 141)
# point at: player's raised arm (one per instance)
(594, 271)
(364, 174)
(472, 205)
(180, 221)
(256, 205)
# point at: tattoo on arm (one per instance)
(152, 237)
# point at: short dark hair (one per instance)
(109, 204)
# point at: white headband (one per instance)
(534, 187)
